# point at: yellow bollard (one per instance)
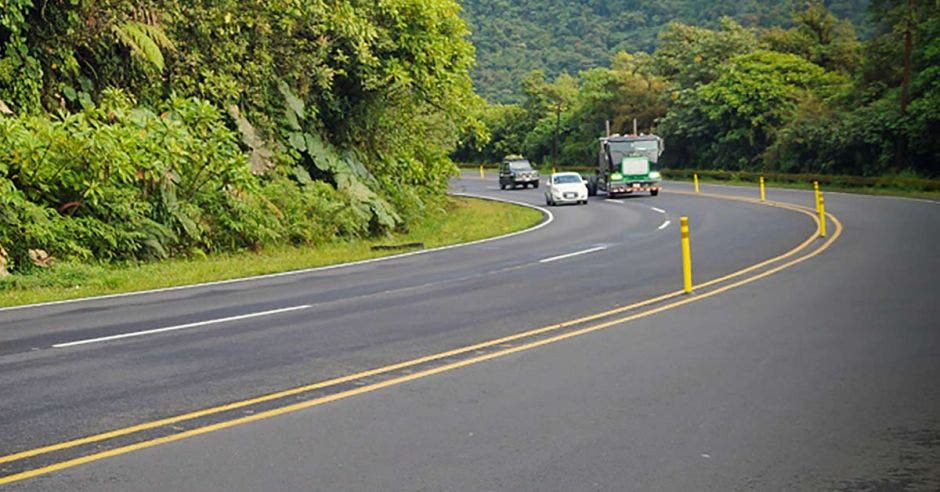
(553, 170)
(763, 195)
(816, 193)
(481, 172)
(686, 255)
(821, 205)
(695, 180)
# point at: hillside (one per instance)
(514, 37)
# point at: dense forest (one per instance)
(145, 129)
(515, 37)
(813, 97)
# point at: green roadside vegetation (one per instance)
(163, 132)
(141, 130)
(887, 185)
(461, 220)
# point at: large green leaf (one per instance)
(261, 156)
(295, 103)
(297, 141)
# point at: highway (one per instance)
(562, 358)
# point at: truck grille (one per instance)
(635, 166)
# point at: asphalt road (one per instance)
(824, 375)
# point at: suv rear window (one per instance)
(520, 166)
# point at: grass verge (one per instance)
(463, 220)
(885, 185)
(909, 187)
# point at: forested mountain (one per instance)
(513, 37)
(809, 98)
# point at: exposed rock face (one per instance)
(3, 262)
(41, 258)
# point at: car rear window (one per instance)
(568, 178)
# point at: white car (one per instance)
(565, 188)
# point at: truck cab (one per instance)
(627, 164)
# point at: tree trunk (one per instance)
(555, 140)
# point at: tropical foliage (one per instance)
(144, 129)
(148, 128)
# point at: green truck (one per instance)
(627, 164)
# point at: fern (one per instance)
(144, 40)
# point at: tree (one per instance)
(730, 121)
(559, 96)
(690, 56)
(819, 37)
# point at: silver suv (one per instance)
(515, 172)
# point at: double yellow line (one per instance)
(421, 360)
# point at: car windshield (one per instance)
(567, 178)
(520, 166)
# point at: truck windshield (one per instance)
(635, 147)
(648, 148)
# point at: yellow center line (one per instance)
(416, 375)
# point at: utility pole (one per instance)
(555, 140)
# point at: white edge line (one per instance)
(180, 327)
(664, 225)
(611, 200)
(549, 218)
(654, 209)
(576, 253)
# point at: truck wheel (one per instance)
(535, 184)
(654, 192)
(502, 186)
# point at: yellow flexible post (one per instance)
(822, 215)
(481, 172)
(695, 180)
(763, 195)
(816, 194)
(686, 255)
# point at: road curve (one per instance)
(823, 375)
